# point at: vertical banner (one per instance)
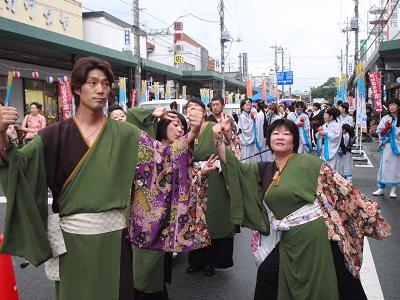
(144, 91)
(352, 104)
(9, 87)
(66, 98)
(184, 92)
(361, 115)
(156, 90)
(211, 95)
(168, 91)
(122, 93)
(375, 79)
(249, 91)
(264, 89)
(237, 98)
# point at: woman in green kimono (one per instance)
(319, 217)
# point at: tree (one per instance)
(327, 90)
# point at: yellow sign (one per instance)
(178, 59)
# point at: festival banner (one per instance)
(361, 115)
(249, 91)
(66, 98)
(122, 93)
(352, 104)
(168, 91)
(144, 91)
(9, 87)
(264, 89)
(133, 97)
(375, 79)
(156, 90)
(184, 92)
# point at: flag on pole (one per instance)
(9, 87)
(249, 91)
(264, 89)
(122, 93)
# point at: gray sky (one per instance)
(310, 30)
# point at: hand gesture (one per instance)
(195, 118)
(225, 122)
(163, 113)
(8, 116)
(209, 166)
(217, 132)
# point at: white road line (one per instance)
(369, 277)
(3, 200)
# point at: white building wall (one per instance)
(103, 32)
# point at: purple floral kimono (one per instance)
(167, 210)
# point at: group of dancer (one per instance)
(132, 188)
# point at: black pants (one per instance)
(219, 255)
(349, 288)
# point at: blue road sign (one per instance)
(285, 78)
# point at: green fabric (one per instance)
(306, 266)
(148, 270)
(24, 183)
(142, 119)
(245, 194)
(102, 181)
(218, 214)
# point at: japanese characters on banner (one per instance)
(361, 115)
(122, 93)
(144, 91)
(133, 97)
(375, 79)
(66, 98)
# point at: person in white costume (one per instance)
(344, 117)
(247, 131)
(329, 137)
(389, 136)
(303, 123)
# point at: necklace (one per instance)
(88, 137)
(277, 177)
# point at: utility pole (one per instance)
(138, 69)
(356, 35)
(283, 69)
(290, 69)
(347, 49)
(240, 67)
(222, 27)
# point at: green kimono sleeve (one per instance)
(244, 189)
(142, 119)
(24, 182)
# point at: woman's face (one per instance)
(281, 140)
(175, 130)
(34, 109)
(281, 110)
(247, 107)
(393, 108)
(327, 118)
(118, 115)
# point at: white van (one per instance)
(232, 107)
(164, 103)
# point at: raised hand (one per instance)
(225, 122)
(217, 132)
(195, 118)
(8, 116)
(209, 166)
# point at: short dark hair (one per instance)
(37, 104)
(197, 101)
(114, 107)
(173, 105)
(218, 98)
(316, 104)
(287, 124)
(81, 69)
(243, 102)
(333, 112)
(163, 124)
(299, 104)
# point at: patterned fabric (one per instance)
(235, 144)
(167, 212)
(349, 216)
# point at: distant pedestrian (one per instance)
(33, 122)
(300, 118)
(248, 131)
(117, 113)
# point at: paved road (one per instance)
(238, 282)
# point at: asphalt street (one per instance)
(238, 283)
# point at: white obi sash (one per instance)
(83, 224)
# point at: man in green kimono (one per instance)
(89, 164)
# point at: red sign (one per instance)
(133, 97)
(375, 79)
(178, 26)
(66, 98)
(178, 37)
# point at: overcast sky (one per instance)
(309, 30)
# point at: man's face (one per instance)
(216, 107)
(193, 107)
(94, 93)
(299, 110)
